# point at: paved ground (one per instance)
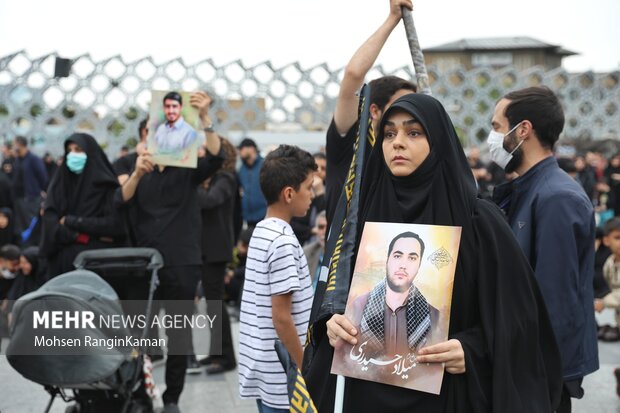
(208, 394)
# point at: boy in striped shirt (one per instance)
(277, 294)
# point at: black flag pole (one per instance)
(332, 288)
(333, 285)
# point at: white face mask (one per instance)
(6, 274)
(499, 155)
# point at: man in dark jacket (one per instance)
(29, 183)
(553, 221)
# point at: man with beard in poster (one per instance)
(394, 317)
(553, 221)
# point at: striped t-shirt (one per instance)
(276, 265)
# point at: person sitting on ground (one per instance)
(30, 277)
(9, 267)
(611, 271)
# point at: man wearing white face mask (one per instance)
(553, 221)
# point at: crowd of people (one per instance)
(539, 254)
(597, 173)
(200, 219)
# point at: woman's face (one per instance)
(74, 147)
(25, 266)
(405, 145)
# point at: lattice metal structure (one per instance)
(591, 100)
(108, 98)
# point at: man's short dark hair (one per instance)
(10, 252)
(611, 226)
(22, 141)
(407, 234)
(173, 96)
(542, 108)
(383, 88)
(319, 155)
(247, 143)
(285, 166)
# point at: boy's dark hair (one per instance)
(611, 226)
(540, 106)
(382, 89)
(173, 96)
(285, 166)
(10, 252)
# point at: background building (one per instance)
(519, 52)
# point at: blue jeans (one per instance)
(263, 408)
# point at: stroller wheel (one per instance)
(74, 408)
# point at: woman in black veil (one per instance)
(79, 213)
(31, 274)
(501, 354)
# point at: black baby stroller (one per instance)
(109, 381)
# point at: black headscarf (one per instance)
(441, 191)
(25, 284)
(81, 194)
(497, 313)
(8, 235)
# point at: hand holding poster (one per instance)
(173, 124)
(399, 302)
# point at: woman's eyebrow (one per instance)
(405, 123)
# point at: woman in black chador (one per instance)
(31, 274)
(501, 355)
(79, 213)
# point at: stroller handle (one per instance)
(113, 257)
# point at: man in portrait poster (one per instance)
(394, 317)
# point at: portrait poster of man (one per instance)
(173, 138)
(399, 302)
